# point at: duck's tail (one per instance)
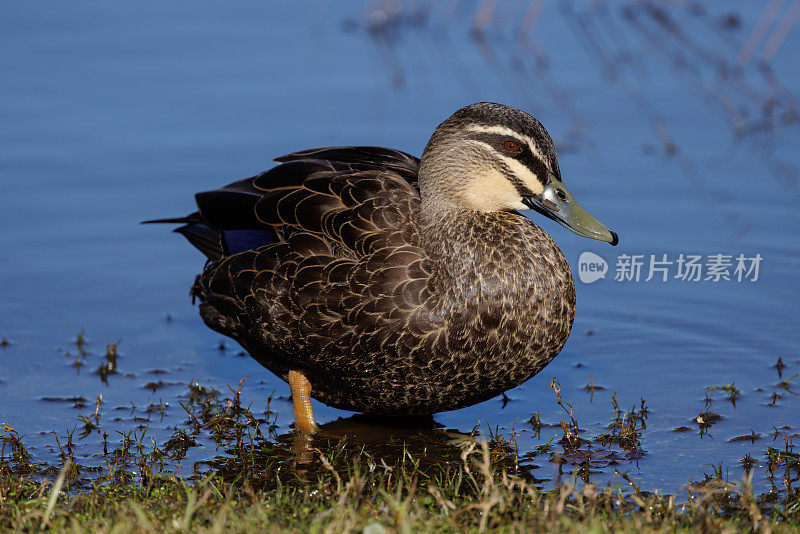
(197, 232)
(192, 218)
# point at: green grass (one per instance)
(337, 492)
(435, 481)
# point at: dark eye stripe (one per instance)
(525, 156)
(521, 188)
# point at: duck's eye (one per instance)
(511, 146)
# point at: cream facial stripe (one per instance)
(503, 130)
(520, 171)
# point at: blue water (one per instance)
(674, 135)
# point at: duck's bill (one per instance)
(557, 203)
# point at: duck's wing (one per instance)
(403, 164)
(296, 195)
(345, 251)
(363, 196)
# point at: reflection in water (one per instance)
(630, 43)
(360, 440)
(379, 439)
(428, 447)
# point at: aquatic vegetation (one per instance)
(730, 389)
(404, 475)
(263, 482)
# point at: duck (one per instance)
(378, 282)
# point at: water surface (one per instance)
(677, 126)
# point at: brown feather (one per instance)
(381, 310)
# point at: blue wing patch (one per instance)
(236, 241)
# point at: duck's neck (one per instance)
(497, 262)
(453, 235)
(468, 245)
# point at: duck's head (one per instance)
(490, 157)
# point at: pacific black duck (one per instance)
(382, 283)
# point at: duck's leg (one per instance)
(301, 398)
